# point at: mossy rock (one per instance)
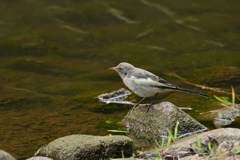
(87, 147)
(155, 123)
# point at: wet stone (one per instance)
(222, 141)
(39, 158)
(228, 147)
(164, 116)
(5, 156)
(87, 146)
(226, 116)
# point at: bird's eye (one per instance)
(120, 68)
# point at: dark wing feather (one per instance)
(160, 80)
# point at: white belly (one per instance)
(142, 90)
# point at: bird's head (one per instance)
(123, 69)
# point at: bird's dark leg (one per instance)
(136, 105)
(151, 105)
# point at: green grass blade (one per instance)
(198, 141)
(223, 100)
(171, 135)
(175, 131)
(133, 155)
(238, 151)
(159, 155)
(122, 154)
(157, 142)
(169, 142)
(162, 143)
(204, 155)
(120, 131)
(199, 148)
(223, 155)
(233, 96)
(210, 148)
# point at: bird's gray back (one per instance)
(143, 74)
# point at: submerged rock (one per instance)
(39, 158)
(88, 147)
(164, 115)
(5, 156)
(226, 116)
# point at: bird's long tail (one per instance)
(191, 91)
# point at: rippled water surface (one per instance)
(55, 55)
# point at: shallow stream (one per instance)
(55, 55)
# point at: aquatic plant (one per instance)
(226, 103)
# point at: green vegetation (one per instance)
(117, 131)
(172, 137)
(226, 102)
(211, 148)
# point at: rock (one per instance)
(220, 135)
(5, 156)
(130, 159)
(87, 147)
(220, 139)
(194, 157)
(222, 117)
(164, 115)
(228, 147)
(39, 158)
(226, 116)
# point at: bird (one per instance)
(146, 84)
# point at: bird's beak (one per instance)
(112, 68)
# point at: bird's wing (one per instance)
(145, 78)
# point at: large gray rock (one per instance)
(223, 140)
(220, 135)
(87, 147)
(5, 156)
(39, 158)
(164, 115)
(228, 147)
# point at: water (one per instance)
(55, 55)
